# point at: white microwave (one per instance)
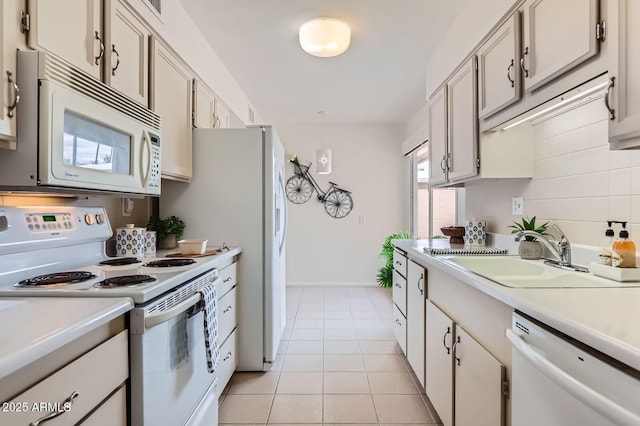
(76, 134)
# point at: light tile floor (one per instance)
(338, 364)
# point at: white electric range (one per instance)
(59, 251)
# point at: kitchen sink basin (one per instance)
(511, 271)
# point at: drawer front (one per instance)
(400, 329)
(93, 377)
(228, 279)
(400, 262)
(228, 361)
(112, 413)
(400, 292)
(227, 315)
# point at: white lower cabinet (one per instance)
(464, 381)
(416, 293)
(400, 329)
(227, 325)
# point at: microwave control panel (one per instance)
(153, 185)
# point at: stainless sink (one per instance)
(511, 271)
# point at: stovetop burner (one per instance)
(120, 261)
(56, 279)
(124, 280)
(165, 263)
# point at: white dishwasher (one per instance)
(557, 381)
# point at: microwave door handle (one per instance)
(145, 169)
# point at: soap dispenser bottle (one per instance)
(623, 250)
(606, 246)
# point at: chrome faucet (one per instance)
(561, 249)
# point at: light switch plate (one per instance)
(517, 206)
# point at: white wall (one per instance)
(366, 161)
(577, 182)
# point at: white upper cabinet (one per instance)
(116, 52)
(11, 40)
(126, 52)
(499, 80)
(624, 70)
(222, 114)
(437, 111)
(462, 117)
(558, 35)
(71, 29)
(203, 105)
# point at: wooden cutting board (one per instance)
(211, 252)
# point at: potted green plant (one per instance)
(168, 230)
(385, 273)
(529, 247)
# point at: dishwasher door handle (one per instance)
(582, 392)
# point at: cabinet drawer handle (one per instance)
(101, 54)
(16, 91)
(397, 261)
(226, 280)
(228, 356)
(444, 340)
(227, 309)
(509, 68)
(398, 285)
(607, 99)
(421, 288)
(398, 321)
(525, 53)
(113, 70)
(64, 407)
(455, 347)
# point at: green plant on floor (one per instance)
(529, 225)
(385, 274)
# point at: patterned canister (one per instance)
(130, 241)
(150, 244)
(475, 232)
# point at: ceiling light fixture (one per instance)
(325, 37)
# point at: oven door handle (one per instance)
(598, 402)
(164, 316)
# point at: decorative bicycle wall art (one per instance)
(337, 201)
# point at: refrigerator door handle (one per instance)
(283, 234)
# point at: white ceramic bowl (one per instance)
(192, 246)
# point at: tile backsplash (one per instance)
(578, 182)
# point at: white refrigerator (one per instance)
(237, 196)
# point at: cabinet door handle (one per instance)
(228, 356)
(607, 99)
(101, 54)
(16, 91)
(421, 288)
(227, 309)
(226, 280)
(509, 68)
(442, 164)
(64, 407)
(113, 70)
(444, 340)
(524, 53)
(455, 347)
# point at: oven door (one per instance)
(169, 376)
(87, 144)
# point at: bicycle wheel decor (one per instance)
(338, 203)
(299, 188)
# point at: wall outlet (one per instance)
(127, 206)
(517, 206)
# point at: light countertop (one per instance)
(32, 327)
(606, 319)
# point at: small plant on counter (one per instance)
(385, 274)
(529, 225)
(163, 227)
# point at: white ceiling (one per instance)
(380, 79)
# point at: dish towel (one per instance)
(210, 308)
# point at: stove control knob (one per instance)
(100, 218)
(89, 219)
